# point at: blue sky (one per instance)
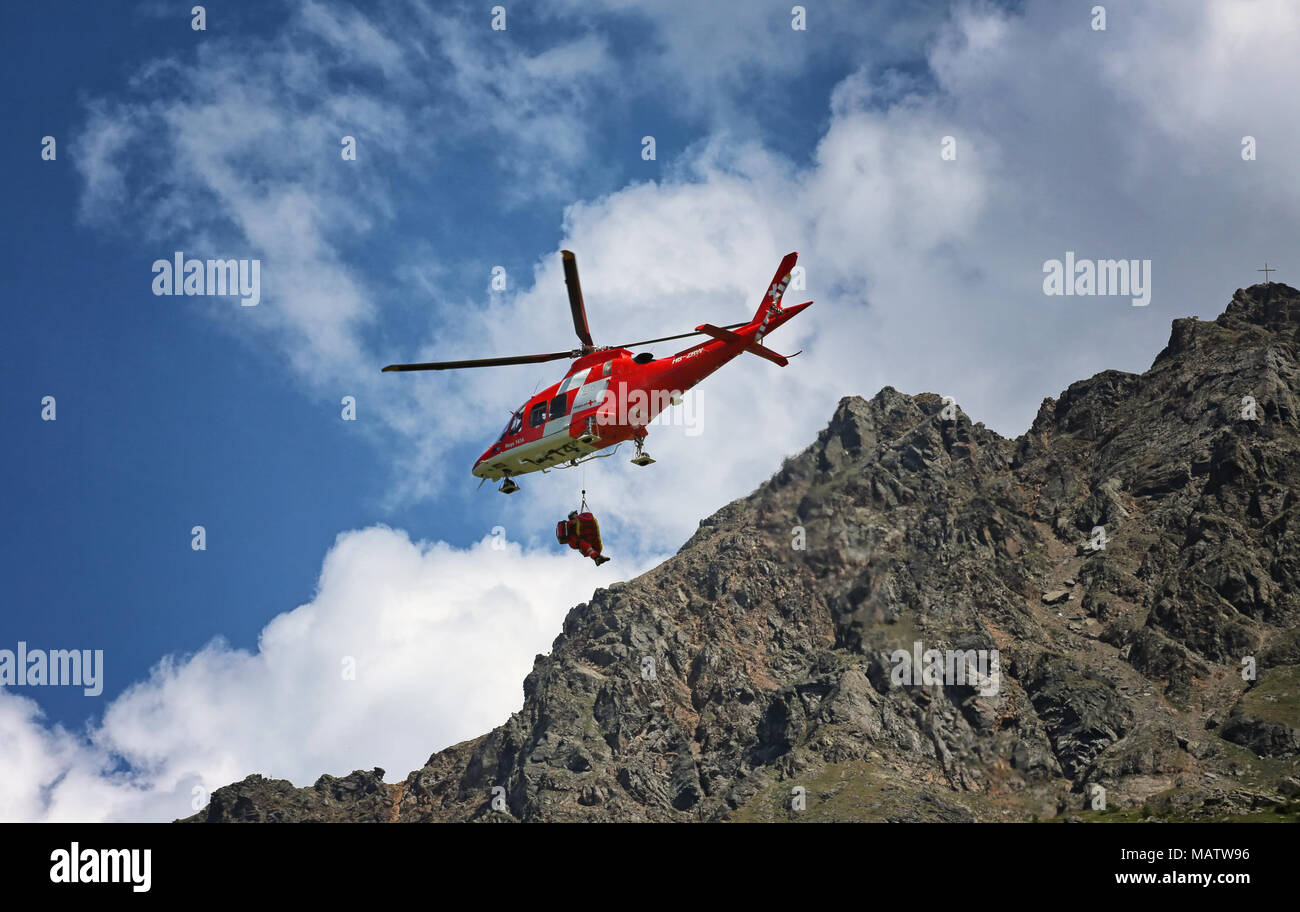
(329, 539)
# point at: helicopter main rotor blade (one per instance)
(670, 338)
(536, 359)
(575, 298)
(482, 362)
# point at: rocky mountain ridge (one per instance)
(1133, 560)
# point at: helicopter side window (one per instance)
(560, 406)
(537, 415)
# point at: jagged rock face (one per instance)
(1132, 559)
(360, 797)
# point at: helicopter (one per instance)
(609, 395)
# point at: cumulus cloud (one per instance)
(405, 648)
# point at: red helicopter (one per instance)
(609, 395)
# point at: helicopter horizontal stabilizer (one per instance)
(755, 349)
(717, 332)
(748, 342)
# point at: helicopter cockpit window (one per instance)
(516, 422)
(537, 415)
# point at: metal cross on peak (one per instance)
(1266, 270)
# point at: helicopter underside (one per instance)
(546, 452)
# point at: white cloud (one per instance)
(530, 106)
(355, 38)
(722, 61)
(441, 638)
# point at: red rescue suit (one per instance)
(582, 533)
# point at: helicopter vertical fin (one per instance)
(777, 289)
